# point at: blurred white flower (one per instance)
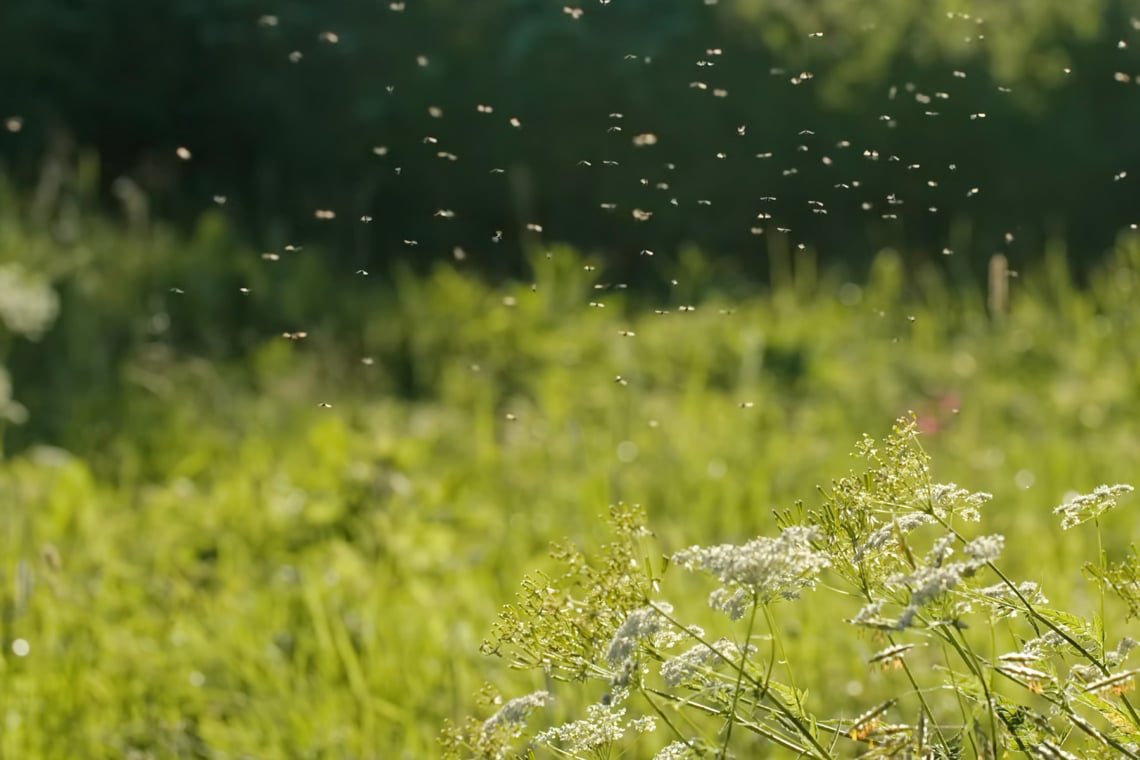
(28, 305)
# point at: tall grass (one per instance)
(299, 555)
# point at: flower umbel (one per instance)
(641, 624)
(766, 569)
(602, 726)
(948, 499)
(693, 663)
(512, 716)
(939, 576)
(1087, 507)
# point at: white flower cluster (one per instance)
(1004, 603)
(602, 726)
(937, 577)
(28, 305)
(1115, 657)
(1087, 507)
(948, 499)
(675, 751)
(888, 534)
(764, 569)
(641, 624)
(871, 616)
(689, 664)
(984, 549)
(512, 716)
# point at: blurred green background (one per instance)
(282, 105)
(267, 475)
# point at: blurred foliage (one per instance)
(281, 138)
(290, 555)
(1020, 41)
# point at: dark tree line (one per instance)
(641, 125)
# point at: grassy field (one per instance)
(299, 556)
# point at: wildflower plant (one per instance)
(983, 666)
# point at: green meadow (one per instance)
(295, 547)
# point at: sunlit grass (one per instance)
(301, 560)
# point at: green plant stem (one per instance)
(921, 698)
(906, 667)
(756, 728)
(661, 714)
(1074, 718)
(958, 696)
(807, 734)
(740, 674)
(1100, 586)
(972, 661)
(779, 641)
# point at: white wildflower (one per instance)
(641, 624)
(667, 638)
(1028, 589)
(883, 536)
(512, 716)
(1087, 507)
(28, 304)
(1118, 681)
(939, 577)
(643, 725)
(985, 549)
(1024, 672)
(942, 550)
(602, 726)
(1084, 673)
(1004, 603)
(928, 583)
(688, 665)
(892, 654)
(732, 603)
(1117, 656)
(947, 499)
(675, 751)
(871, 616)
(766, 568)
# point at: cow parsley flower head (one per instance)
(1004, 602)
(939, 576)
(871, 616)
(641, 624)
(1117, 656)
(689, 664)
(984, 549)
(678, 751)
(512, 716)
(883, 537)
(764, 569)
(1090, 506)
(928, 583)
(602, 726)
(948, 499)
